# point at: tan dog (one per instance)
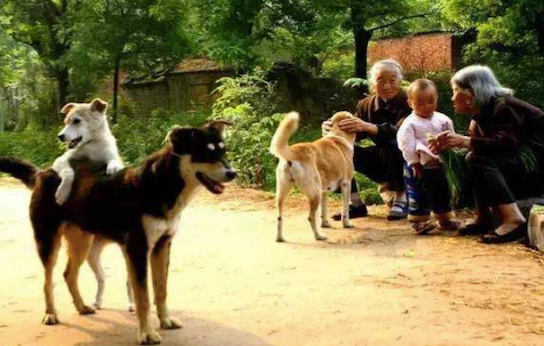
(316, 167)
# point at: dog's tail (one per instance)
(22, 170)
(280, 142)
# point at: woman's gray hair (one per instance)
(483, 83)
(389, 65)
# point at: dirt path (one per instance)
(232, 284)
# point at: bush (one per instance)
(34, 144)
(339, 66)
(138, 138)
(250, 103)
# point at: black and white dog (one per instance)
(137, 207)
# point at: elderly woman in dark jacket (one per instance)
(502, 127)
(378, 117)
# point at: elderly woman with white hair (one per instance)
(503, 130)
(378, 117)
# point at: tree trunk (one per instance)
(115, 88)
(63, 82)
(362, 38)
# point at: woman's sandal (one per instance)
(398, 211)
(449, 225)
(423, 228)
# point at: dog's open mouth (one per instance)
(212, 185)
(74, 142)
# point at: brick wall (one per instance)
(424, 52)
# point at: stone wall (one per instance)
(146, 97)
(177, 91)
(315, 99)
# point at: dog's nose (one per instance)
(61, 138)
(231, 174)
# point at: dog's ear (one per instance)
(181, 138)
(67, 108)
(97, 105)
(219, 125)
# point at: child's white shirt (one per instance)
(412, 136)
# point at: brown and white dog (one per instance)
(317, 167)
(138, 207)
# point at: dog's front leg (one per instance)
(136, 254)
(160, 258)
(63, 191)
(114, 166)
(346, 191)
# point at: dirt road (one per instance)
(232, 284)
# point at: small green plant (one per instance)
(250, 103)
(355, 82)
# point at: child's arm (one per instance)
(406, 141)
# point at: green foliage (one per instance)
(456, 172)
(34, 144)
(524, 75)
(368, 190)
(355, 82)
(22, 83)
(506, 26)
(250, 103)
(143, 34)
(339, 66)
(134, 146)
(249, 33)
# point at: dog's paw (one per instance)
(131, 308)
(113, 167)
(348, 225)
(170, 323)
(61, 196)
(280, 239)
(326, 224)
(97, 305)
(86, 310)
(149, 336)
(321, 237)
(50, 319)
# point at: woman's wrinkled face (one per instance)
(463, 100)
(387, 84)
